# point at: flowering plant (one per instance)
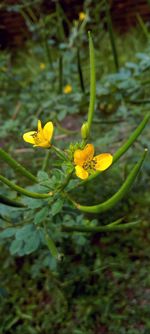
(76, 161)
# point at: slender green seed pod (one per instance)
(22, 190)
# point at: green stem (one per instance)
(143, 26)
(60, 66)
(97, 229)
(22, 190)
(111, 36)
(45, 161)
(92, 83)
(48, 52)
(7, 201)
(80, 71)
(60, 26)
(59, 153)
(16, 166)
(64, 130)
(110, 203)
(65, 183)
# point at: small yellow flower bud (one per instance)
(67, 89)
(82, 16)
(42, 66)
(84, 131)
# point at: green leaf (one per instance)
(51, 245)
(32, 203)
(16, 246)
(9, 232)
(24, 232)
(32, 243)
(42, 176)
(56, 207)
(41, 215)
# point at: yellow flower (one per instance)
(82, 16)
(86, 162)
(42, 137)
(67, 89)
(42, 66)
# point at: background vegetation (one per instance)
(100, 283)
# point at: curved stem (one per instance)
(16, 166)
(107, 205)
(131, 139)
(22, 190)
(122, 149)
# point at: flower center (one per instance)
(36, 137)
(89, 164)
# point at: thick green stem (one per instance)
(16, 166)
(92, 84)
(7, 201)
(111, 36)
(110, 203)
(22, 190)
(97, 229)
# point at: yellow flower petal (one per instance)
(81, 156)
(39, 126)
(29, 137)
(48, 131)
(44, 144)
(81, 172)
(103, 161)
